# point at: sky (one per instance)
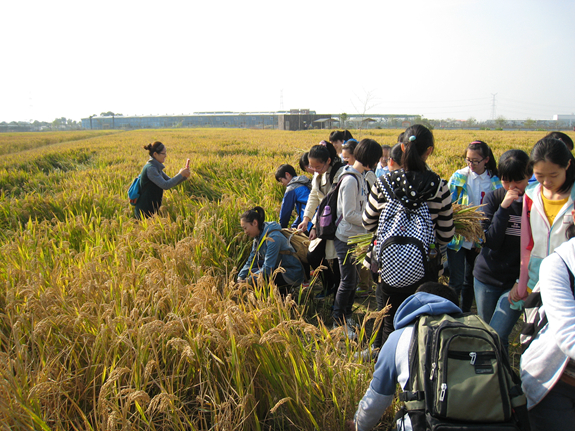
(439, 59)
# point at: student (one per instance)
(548, 364)
(351, 200)
(270, 250)
(546, 210)
(382, 166)
(327, 167)
(295, 196)
(497, 266)
(418, 144)
(395, 155)
(392, 366)
(563, 137)
(338, 138)
(469, 186)
(304, 163)
(153, 181)
(347, 151)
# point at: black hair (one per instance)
(483, 149)
(283, 169)
(514, 166)
(555, 151)
(350, 146)
(416, 140)
(154, 147)
(324, 151)
(396, 154)
(338, 135)
(400, 137)
(570, 232)
(439, 289)
(562, 137)
(368, 152)
(256, 213)
(304, 161)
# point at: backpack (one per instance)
(535, 318)
(401, 245)
(460, 378)
(299, 241)
(327, 220)
(134, 191)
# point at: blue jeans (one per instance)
(494, 308)
(461, 275)
(556, 411)
(342, 307)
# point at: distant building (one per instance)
(293, 120)
(566, 120)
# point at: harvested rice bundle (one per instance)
(467, 220)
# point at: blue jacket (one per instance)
(392, 365)
(296, 195)
(265, 256)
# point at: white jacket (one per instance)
(544, 361)
(351, 200)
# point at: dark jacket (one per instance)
(153, 182)
(499, 261)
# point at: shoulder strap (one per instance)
(410, 393)
(334, 169)
(144, 174)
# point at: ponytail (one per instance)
(416, 140)
(155, 147)
(256, 213)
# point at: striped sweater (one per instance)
(439, 208)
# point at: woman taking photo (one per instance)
(153, 181)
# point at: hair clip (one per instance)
(323, 143)
(412, 138)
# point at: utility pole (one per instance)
(493, 107)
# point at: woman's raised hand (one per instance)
(185, 172)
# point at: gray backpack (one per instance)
(460, 378)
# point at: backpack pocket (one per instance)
(470, 385)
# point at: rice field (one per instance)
(107, 323)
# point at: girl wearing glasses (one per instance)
(468, 186)
(153, 181)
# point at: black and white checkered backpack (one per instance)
(402, 243)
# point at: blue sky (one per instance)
(439, 59)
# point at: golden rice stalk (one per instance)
(467, 220)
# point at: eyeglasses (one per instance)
(163, 153)
(474, 162)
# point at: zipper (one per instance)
(443, 390)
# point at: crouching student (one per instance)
(548, 364)
(392, 365)
(270, 250)
(295, 196)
